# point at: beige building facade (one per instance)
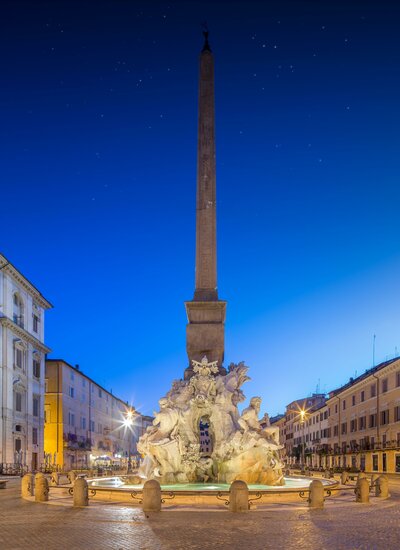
(364, 421)
(87, 426)
(356, 426)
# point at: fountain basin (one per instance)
(203, 494)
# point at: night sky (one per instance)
(98, 173)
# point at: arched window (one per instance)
(18, 310)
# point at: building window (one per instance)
(36, 368)
(372, 420)
(18, 357)
(353, 400)
(35, 406)
(384, 385)
(335, 430)
(353, 425)
(100, 393)
(83, 423)
(375, 463)
(34, 436)
(362, 422)
(83, 382)
(397, 414)
(71, 392)
(71, 419)
(373, 390)
(344, 404)
(92, 428)
(35, 323)
(344, 428)
(18, 310)
(384, 417)
(18, 402)
(398, 379)
(335, 409)
(362, 396)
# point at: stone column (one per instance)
(27, 485)
(239, 497)
(81, 492)
(344, 477)
(205, 331)
(316, 494)
(206, 243)
(151, 496)
(382, 487)
(71, 476)
(362, 490)
(41, 488)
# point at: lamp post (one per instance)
(302, 422)
(128, 423)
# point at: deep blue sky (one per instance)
(97, 174)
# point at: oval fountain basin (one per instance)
(291, 484)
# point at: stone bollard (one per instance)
(81, 492)
(361, 475)
(382, 487)
(27, 485)
(55, 479)
(344, 477)
(327, 474)
(151, 496)
(362, 490)
(239, 497)
(316, 499)
(71, 476)
(41, 488)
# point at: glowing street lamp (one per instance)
(128, 423)
(303, 413)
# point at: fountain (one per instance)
(199, 436)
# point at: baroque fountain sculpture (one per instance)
(237, 446)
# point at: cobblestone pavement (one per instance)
(343, 524)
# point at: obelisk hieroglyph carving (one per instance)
(206, 314)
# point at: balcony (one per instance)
(74, 443)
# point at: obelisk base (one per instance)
(205, 333)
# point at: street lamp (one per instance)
(302, 413)
(128, 423)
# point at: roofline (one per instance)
(125, 403)
(363, 376)
(13, 271)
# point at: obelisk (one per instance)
(206, 314)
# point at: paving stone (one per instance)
(342, 524)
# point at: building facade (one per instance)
(22, 353)
(312, 435)
(293, 418)
(357, 426)
(87, 426)
(364, 421)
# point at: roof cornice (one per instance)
(10, 269)
(8, 323)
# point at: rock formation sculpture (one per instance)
(237, 446)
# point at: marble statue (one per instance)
(238, 447)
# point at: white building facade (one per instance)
(22, 356)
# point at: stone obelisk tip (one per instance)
(206, 46)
